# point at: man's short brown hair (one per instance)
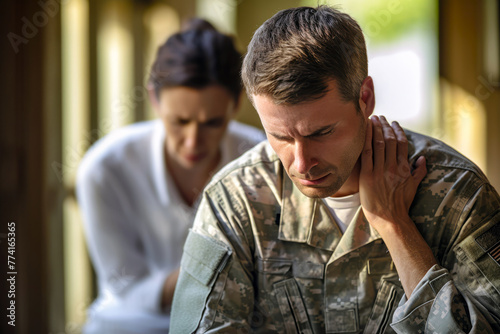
(295, 53)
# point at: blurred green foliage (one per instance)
(386, 20)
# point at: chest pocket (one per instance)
(292, 307)
(280, 278)
(389, 292)
(386, 302)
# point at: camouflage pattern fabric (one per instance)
(291, 270)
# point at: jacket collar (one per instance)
(308, 220)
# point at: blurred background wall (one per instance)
(73, 70)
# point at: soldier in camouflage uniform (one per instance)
(267, 255)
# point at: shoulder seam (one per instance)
(240, 167)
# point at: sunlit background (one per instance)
(435, 66)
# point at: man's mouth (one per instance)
(313, 182)
(195, 157)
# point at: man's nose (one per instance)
(303, 158)
(193, 135)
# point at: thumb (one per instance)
(420, 169)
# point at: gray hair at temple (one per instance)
(295, 53)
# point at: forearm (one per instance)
(168, 289)
(409, 251)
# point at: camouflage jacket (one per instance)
(264, 258)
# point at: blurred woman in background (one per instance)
(139, 187)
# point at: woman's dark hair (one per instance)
(197, 56)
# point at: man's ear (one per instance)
(367, 97)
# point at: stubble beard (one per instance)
(322, 192)
(340, 176)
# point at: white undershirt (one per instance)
(343, 209)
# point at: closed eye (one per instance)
(182, 121)
(280, 137)
(215, 122)
(321, 132)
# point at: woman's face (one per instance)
(195, 121)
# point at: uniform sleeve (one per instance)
(113, 244)
(214, 293)
(462, 295)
